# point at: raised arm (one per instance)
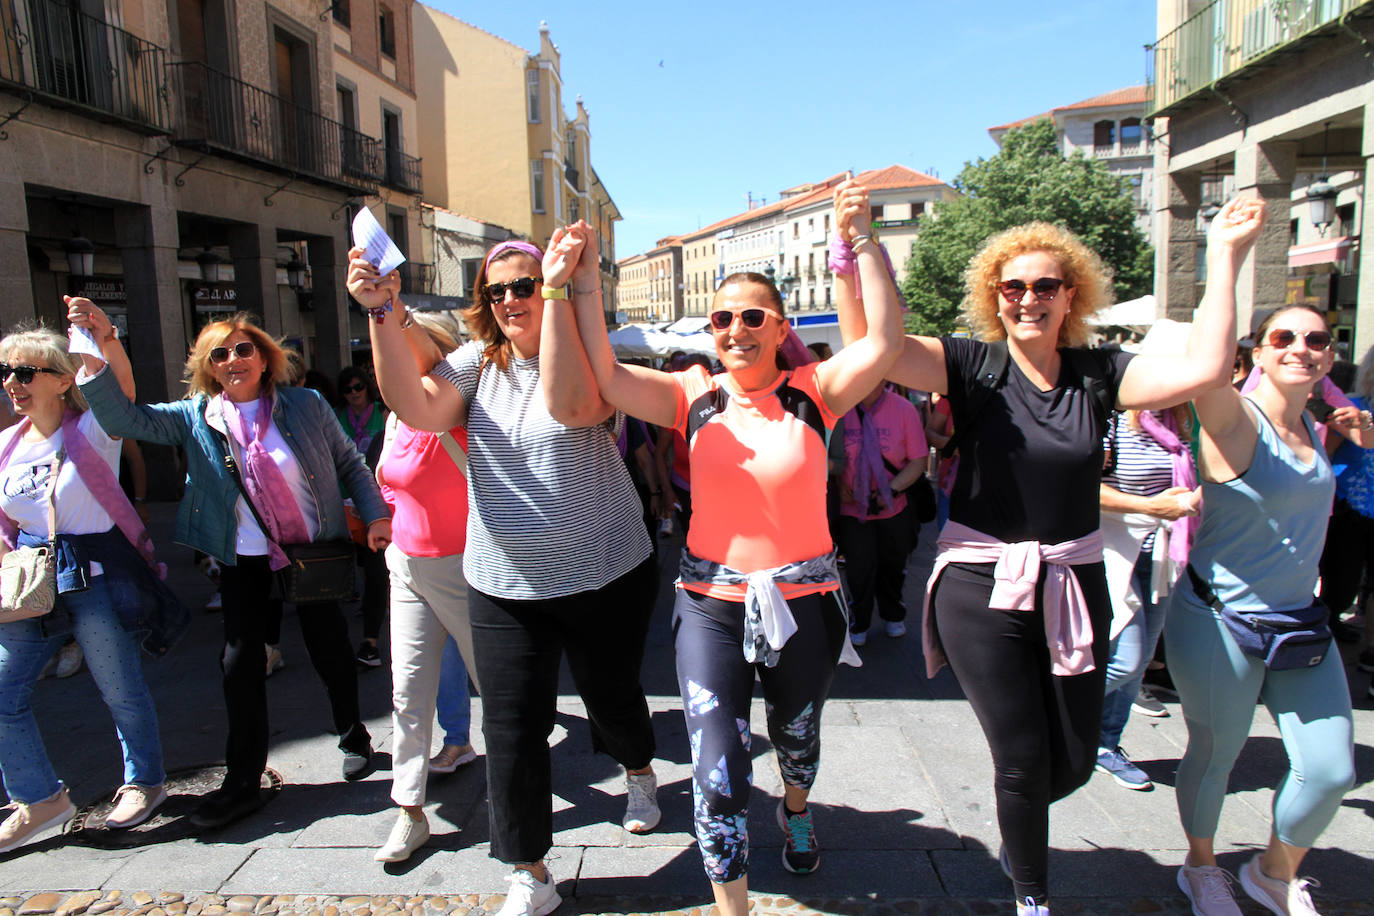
(847, 377)
(421, 401)
(86, 314)
(1151, 381)
(570, 388)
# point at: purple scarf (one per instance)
(264, 481)
(843, 260)
(869, 473)
(1185, 475)
(361, 437)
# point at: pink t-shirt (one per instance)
(427, 493)
(900, 439)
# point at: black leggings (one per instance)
(1042, 729)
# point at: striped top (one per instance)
(1143, 466)
(552, 510)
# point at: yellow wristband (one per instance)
(554, 292)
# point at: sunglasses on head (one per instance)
(1282, 339)
(24, 374)
(243, 349)
(1044, 289)
(522, 287)
(355, 388)
(750, 318)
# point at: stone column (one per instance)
(148, 238)
(1364, 300)
(330, 301)
(1177, 195)
(16, 286)
(253, 248)
(1267, 169)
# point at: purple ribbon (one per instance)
(1164, 431)
(265, 482)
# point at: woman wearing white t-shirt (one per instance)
(56, 432)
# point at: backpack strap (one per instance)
(992, 373)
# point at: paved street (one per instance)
(904, 805)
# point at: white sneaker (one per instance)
(1208, 887)
(896, 629)
(1030, 908)
(26, 822)
(407, 835)
(133, 805)
(641, 803)
(1287, 898)
(528, 896)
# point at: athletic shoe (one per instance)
(896, 629)
(1287, 898)
(800, 854)
(357, 764)
(226, 805)
(1366, 662)
(857, 639)
(1116, 764)
(1031, 908)
(407, 835)
(368, 656)
(275, 661)
(641, 803)
(133, 805)
(528, 896)
(26, 822)
(216, 603)
(1208, 887)
(451, 757)
(69, 659)
(1146, 704)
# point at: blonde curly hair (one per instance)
(1083, 271)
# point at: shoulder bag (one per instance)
(28, 575)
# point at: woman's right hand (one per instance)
(1175, 502)
(370, 289)
(86, 314)
(1237, 225)
(853, 216)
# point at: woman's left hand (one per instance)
(853, 215)
(1350, 417)
(86, 314)
(1238, 224)
(379, 534)
(563, 254)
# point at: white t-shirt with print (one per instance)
(251, 542)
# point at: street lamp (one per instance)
(209, 263)
(784, 283)
(80, 255)
(295, 272)
(1321, 196)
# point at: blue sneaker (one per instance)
(1116, 764)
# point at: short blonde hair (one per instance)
(42, 344)
(1083, 271)
(200, 380)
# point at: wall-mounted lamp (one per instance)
(1321, 196)
(209, 263)
(80, 255)
(296, 271)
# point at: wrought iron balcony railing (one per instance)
(417, 279)
(215, 111)
(72, 59)
(402, 171)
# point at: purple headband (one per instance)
(515, 245)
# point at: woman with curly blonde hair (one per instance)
(1018, 601)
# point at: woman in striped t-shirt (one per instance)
(557, 556)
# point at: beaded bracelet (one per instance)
(379, 313)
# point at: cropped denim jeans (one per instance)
(112, 654)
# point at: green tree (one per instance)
(1028, 179)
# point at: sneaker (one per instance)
(641, 803)
(1116, 764)
(275, 661)
(857, 639)
(528, 896)
(1366, 662)
(451, 757)
(368, 656)
(896, 629)
(25, 822)
(1031, 908)
(226, 805)
(1287, 898)
(357, 764)
(407, 835)
(1146, 704)
(69, 660)
(800, 855)
(134, 804)
(1208, 887)
(216, 603)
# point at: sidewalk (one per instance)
(904, 805)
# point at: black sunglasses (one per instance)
(1282, 339)
(1044, 289)
(355, 388)
(243, 349)
(750, 318)
(24, 374)
(522, 287)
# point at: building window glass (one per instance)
(1104, 134)
(386, 28)
(340, 11)
(537, 184)
(1131, 134)
(532, 94)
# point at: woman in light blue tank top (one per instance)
(1267, 490)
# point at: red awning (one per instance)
(1327, 251)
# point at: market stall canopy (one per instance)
(642, 340)
(1137, 313)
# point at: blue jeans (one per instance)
(1131, 653)
(113, 656)
(453, 703)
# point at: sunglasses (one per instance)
(1045, 289)
(752, 319)
(1282, 339)
(243, 349)
(522, 287)
(354, 389)
(23, 374)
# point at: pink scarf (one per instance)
(264, 481)
(361, 437)
(1165, 432)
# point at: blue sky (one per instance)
(694, 106)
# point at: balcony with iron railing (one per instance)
(1226, 37)
(402, 171)
(416, 279)
(219, 113)
(74, 60)
(573, 177)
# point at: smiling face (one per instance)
(1030, 320)
(750, 354)
(1296, 365)
(519, 319)
(240, 377)
(43, 394)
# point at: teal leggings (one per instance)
(1218, 685)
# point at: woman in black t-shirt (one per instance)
(1018, 600)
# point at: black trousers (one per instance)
(1042, 729)
(246, 589)
(517, 647)
(376, 599)
(1348, 553)
(875, 553)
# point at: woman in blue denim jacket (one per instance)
(235, 371)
